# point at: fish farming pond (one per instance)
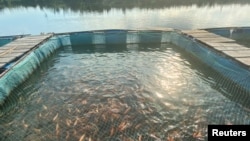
(127, 92)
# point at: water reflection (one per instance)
(100, 5)
(81, 16)
(156, 94)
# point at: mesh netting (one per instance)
(126, 112)
(18, 73)
(220, 63)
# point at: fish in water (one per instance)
(82, 137)
(55, 117)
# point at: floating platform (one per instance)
(224, 45)
(19, 58)
(7, 39)
(19, 47)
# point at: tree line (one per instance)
(99, 5)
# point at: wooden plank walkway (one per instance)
(19, 47)
(224, 45)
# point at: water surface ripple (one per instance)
(139, 93)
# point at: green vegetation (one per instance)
(100, 5)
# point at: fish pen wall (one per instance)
(6, 39)
(224, 65)
(240, 34)
(121, 85)
(17, 71)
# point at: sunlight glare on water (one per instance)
(140, 93)
(36, 20)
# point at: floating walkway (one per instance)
(19, 58)
(223, 45)
(19, 47)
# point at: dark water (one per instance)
(35, 17)
(137, 92)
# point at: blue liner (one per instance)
(21, 71)
(224, 65)
(229, 68)
(116, 37)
